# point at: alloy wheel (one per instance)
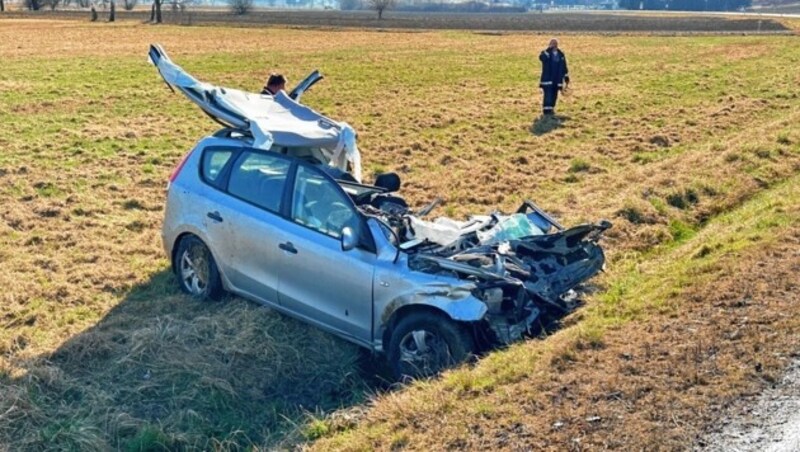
(424, 352)
(194, 269)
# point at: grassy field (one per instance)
(689, 144)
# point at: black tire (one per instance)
(448, 344)
(196, 270)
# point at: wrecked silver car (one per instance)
(272, 208)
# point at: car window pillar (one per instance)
(288, 192)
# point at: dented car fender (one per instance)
(457, 301)
(452, 297)
(395, 286)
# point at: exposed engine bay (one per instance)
(524, 266)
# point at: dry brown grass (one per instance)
(98, 348)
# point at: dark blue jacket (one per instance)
(554, 68)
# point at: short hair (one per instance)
(276, 79)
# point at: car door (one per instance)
(255, 189)
(317, 279)
(209, 202)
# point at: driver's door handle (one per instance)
(215, 216)
(288, 247)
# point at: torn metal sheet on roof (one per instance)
(269, 120)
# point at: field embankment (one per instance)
(570, 22)
(681, 335)
(99, 350)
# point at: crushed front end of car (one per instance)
(524, 267)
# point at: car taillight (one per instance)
(178, 169)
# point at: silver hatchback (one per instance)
(272, 209)
(282, 231)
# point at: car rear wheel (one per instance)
(196, 270)
(424, 344)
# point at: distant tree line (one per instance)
(686, 5)
(467, 6)
(452, 6)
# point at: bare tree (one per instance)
(112, 16)
(156, 11)
(94, 14)
(180, 6)
(2, 6)
(240, 6)
(130, 4)
(380, 6)
(179, 11)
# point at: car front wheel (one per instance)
(424, 344)
(196, 270)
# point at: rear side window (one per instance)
(214, 160)
(259, 179)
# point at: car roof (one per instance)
(269, 119)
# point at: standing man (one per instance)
(555, 75)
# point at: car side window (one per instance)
(259, 179)
(214, 160)
(318, 204)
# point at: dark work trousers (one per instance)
(550, 98)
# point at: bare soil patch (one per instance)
(769, 422)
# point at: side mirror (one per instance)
(349, 239)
